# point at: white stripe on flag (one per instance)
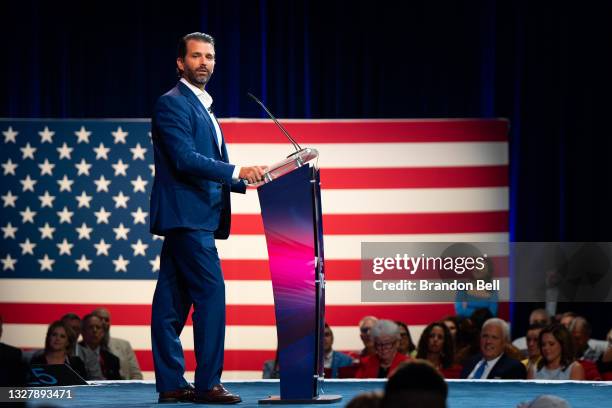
(372, 155)
(393, 201)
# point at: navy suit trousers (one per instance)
(190, 274)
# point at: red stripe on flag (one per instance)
(418, 177)
(233, 359)
(368, 131)
(422, 223)
(237, 315)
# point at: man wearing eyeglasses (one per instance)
(385, 337)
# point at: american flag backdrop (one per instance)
(75, 214)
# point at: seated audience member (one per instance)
(545, 401)
(467, 341)
(58, 343)
(365, 326)
(468, 301)
(533, 346)
(333, 360)
(537, 316)
(93, 336)
(415, 384)
(406, 345)
(492, 362)
(270, 368)
(89, 358)
(567, 318)
(385, 336)
(557, 361)
(436, 346)
(371, 399)
(452, 324)
(12, 369)
(604, 364)
(129, 368)
(581, 334)
(599, 346)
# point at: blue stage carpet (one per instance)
(462, 394)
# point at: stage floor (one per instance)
(462, 394)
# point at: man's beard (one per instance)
(200, 80)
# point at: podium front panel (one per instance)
(288, 212)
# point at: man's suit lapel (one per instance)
(199, 108)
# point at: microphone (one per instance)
(295, 144)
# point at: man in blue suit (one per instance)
(492, 362)
(190, 206)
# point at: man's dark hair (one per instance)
(416, 384)
(182, 45)
(70, 316)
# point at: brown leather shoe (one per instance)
(218, 395)
(184, 395)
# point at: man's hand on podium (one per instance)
(252, 174)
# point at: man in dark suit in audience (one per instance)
(492, 362)
(12, 370)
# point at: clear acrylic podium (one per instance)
(290, 200)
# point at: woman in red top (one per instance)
(386, 337)
(436, 346)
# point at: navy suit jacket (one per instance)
(506, 368)
(193, 178)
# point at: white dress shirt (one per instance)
(207, 100)
(488, 368)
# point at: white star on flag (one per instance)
(82, 135)
(27, 247)
(65, 151)
(9, 231)
(27, 151)
(84, 200)
(83, 167)
(83, 263)
(121, 264)
(8, 263)
(101, 152)
(46, 200)
(155, 264)
(9, 135)
(102, 247)
(28, 183)
(139, 184)
(27, 215)
(119, 135)
(46, 231)
(46, 168)
(9, 199)
(121, 200)
(120, 168)
(102, 216)
(84, 231)
(102, 184)
(65, 247)
(9, 167)
(65, 184)
(139, 216)
(46, 135)
(139, 248)
(152, 167)
(138, 152)
(46, 263)
(65, 216)
(121, 232)
(158, 237)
